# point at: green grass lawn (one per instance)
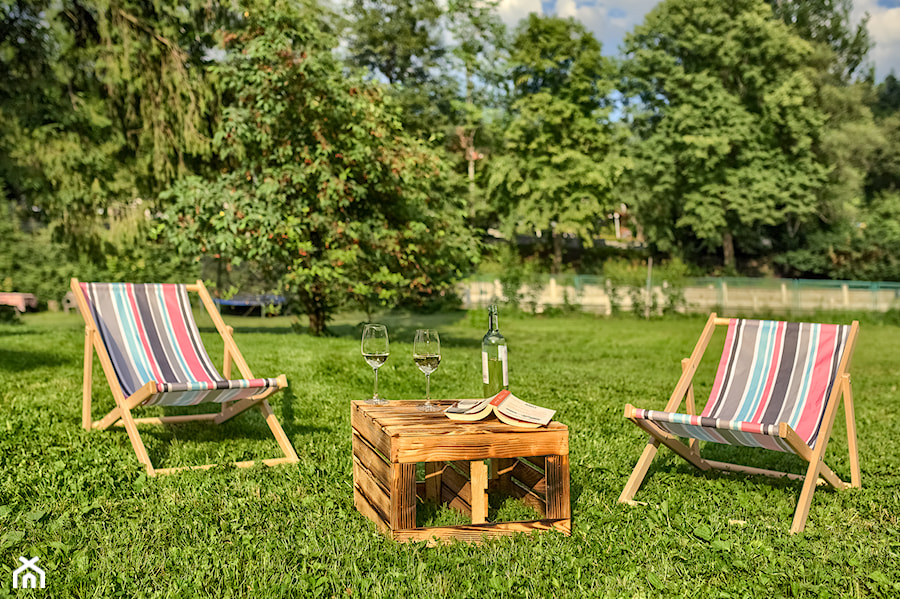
(81, 501)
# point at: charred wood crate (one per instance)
(462, 463)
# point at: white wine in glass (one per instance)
(427, 356)
(375, 350)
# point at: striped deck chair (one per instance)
(778, 387)
(152, 355)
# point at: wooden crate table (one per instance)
(389, 441)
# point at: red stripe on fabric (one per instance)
(773, 370)
(182, 335)
(750, 427)
(142, 334)
(821, 375)
(723, 366)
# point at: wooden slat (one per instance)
(688, 370)
(373, 462)
(433, 474)
(373, 492)
(414, 428)
(403, 496)
(855, 474)
(530, 478)
(475, 533)
(558, 503)
(87, 383)
(536, 461)
(456, 484)
(478, 480)
(751, 470)
(674, 444)
(528, 497)
(482, 446)
(247, 464)
(366, 428)
(504, 468)
(161, 420)
(366, 509)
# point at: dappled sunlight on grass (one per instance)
(81, 502)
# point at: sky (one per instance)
(610, 20)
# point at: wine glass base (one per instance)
(428, 407)
(376, 401)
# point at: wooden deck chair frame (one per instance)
(817, 471)
(121, 414)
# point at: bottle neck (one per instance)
(493, 324)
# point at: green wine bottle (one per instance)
(494, 363)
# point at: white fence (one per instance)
(731, 295)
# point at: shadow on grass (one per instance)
(761, 458)
(24, 360)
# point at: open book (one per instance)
(508, 408)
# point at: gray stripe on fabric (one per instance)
(170, 352)
(798, 373)
(740, 374)
(106, 317)
(783, 378)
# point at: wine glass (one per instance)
(427, 355)
(375, 350)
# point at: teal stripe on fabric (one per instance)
(763, 351)
(128, 321)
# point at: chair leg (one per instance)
(88, 379)
(283, 442)
(640, 471)
(136, 442)
(855, 475)
(806, 495)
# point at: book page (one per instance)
(468, 406)
(514, 407)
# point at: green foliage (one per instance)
(560, 162)
(888, 98)
(80, 500)
(827, 23)
(728, 127)
(322, 191)
(867, 248)
(106, 106)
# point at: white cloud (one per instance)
(884, 29)
(512, 11)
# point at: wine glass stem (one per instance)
(375, 392)
(428, 389)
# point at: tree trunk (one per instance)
(728, 250)
(317, 321)
(556, 267)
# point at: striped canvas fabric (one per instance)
(770, 372)
(150, 335)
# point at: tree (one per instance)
(399, 41)
(321, 189)
(480, 48)
(559, 163)
(887, 101)
(726, 129)
(827, 22)
(107, 105)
